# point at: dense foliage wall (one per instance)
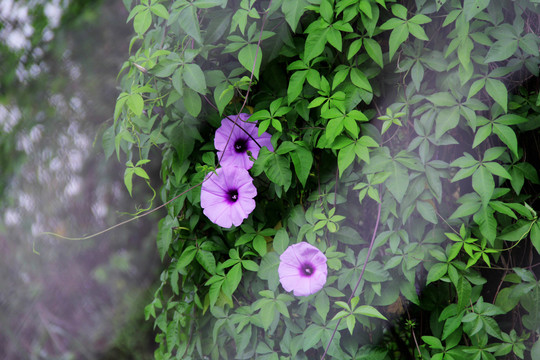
(398, 139)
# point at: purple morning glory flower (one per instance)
(243, 138)
(227, 196)
(302, 269)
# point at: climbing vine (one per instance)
(397, 139)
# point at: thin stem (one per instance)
(361, 274)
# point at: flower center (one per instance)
(240, 146)
(233, 195)
(307, 269)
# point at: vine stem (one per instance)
(206, 178)
(361, 273)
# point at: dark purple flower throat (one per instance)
(240, 145)
(232, 195)
(307, 269)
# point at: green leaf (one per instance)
(476, 87)
(160, 11)
(296, 85)
(302, 159)
(497, 169)
(311, 336)
(259, 244)
(192, 102)
(108, 141)
(189, 22)
(277, 168)
(369, 311)
(194, 78)
(493, 153)
(281, 241)
(177, 81)
(529, 44)
(450, 325)
(483, 184)
(354, 48)
(535, 236)
(267, 314)
(447, 119)
(186, 258)
(427, 211)
(268, 270)
(334, 38)
(487, 223)
(398, 181)
(346, 157)
(135, 103)
(374, 51)
(535, 350)
(499, 93)
(141, 173)
(359, 79)
(433, 342)
(400, 11)
(207, 261)
(322, 304)
(397, 37)
(164, 236)
(473, 7)
(463, 290)
(501, 50)
(250, 265)
(128, 179)
(293, 10)
(507, 136)
(223, 94)
(481, 134)
(506, 300)
(436, 272)
(315, 43)
(417, 31)
(417, 74)
(442, 99)
(251, 58)
(233, 278)
(142, 21)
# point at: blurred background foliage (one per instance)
(64, 299)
